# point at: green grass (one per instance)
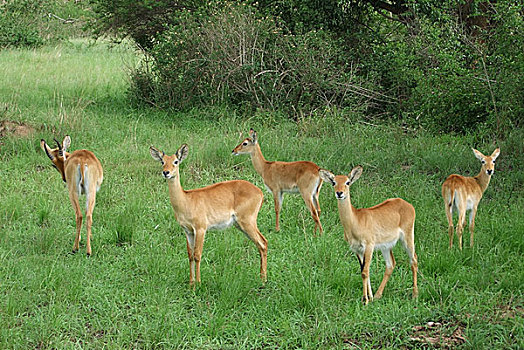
(133, 292)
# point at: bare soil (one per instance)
(15, 129)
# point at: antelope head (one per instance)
(58, 155)
(170, 164)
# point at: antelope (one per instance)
(378, 227)
(217, 206)
(463, 193)
(285, 177)
(82, 173)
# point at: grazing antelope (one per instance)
(463, 193)
(378, 227)
(213, 207)
(281, 177)
(83, 173)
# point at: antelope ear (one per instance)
(479, 155)
(355, 174)
(253, 135)
(495, 154)
(182, 152)
(66, 143)
(46, 149)
(327, 176)
(156, 154)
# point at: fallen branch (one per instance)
(69, 20)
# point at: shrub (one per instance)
(142, 20)
(19, 23)
(447, 79)
(31, 23)
(446, 66)
(230, 55)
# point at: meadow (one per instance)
(133, 291)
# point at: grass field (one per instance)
(133, 292)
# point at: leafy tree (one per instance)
(142, 20)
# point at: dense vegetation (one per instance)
(32, 23)
(444, 65)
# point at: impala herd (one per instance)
(238, 202)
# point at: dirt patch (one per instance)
(512, 312)
(443, 334)
(16, 129)
(512, 309)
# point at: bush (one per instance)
(446, 79)
(445, 66)
(31, 23)
(142, 20)
(505, 65)
(230, 55)
(19, 23)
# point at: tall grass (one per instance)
(133, 292)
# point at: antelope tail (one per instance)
(451, 195)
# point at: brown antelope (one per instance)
(217, 206)
(378, 227)
(463, 193)
(82, 173)
(281, 177)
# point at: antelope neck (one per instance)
(176, 192)
(258, 160)
(482, 179)
(346, 211)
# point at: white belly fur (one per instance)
(222, 224)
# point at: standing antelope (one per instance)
(280, 177)
(213, 207)
(464, 193)
(83, 173)
(378, 227)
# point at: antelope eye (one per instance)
(175, 162)
(244, 144)
(347, 183)
(483, 162)
(493, 161)
(162, 162)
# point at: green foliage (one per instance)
(441, 65)
(31, 23)
(141, 20)
(436, 77)
(19, 23)
(230, 55)
(505, 64)
(449, 77)
(303, 16)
